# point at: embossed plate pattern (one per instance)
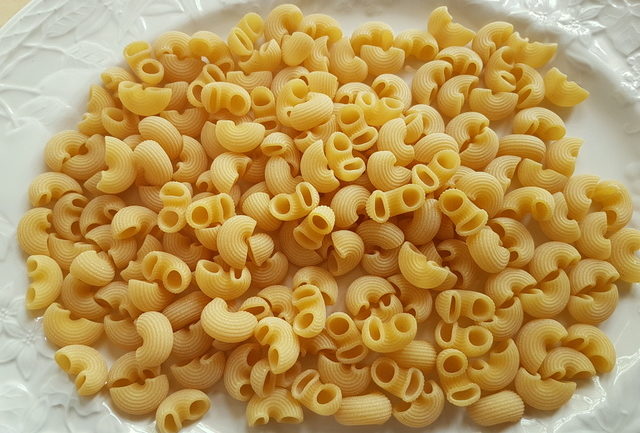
(54, 49)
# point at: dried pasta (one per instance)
(213, 168)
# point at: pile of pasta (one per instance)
(213, 192)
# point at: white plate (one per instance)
(54, 49)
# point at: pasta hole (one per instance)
(447, 160)
(355, 164)
(326, 396)
(385, 371)
(129, 232)
(415, 384)
(198, 408)
(274, 357)
(513, 256)
(380, 207)
(171, 424)
(63, 361)
(261, 333)
(341, 143)
(32, 265)
(446, 332)
(305, 320)
(402, 323)
(80, 380)
(363, 137)
(427, 52)
(319, 222)
(196, 91)
(307, 377)
(246, 391)
(540, 210)
(480, 308)
(31, 295)
(339, 325)
(281, 205)
(261, 99)
(600, 363)
(288, 420)
(200, 215)
(173, 280)
(464, 394)
(170, 217)
(150, 67)
(473, 222)
(453, 364)
(237, 104)
(374, 331)
(428, 387)
(453, 201)
(261, 420)
(355, 352)
(453, 308)
(306, 195)
(477, 337)
(401, 406)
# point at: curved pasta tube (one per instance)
(534, 339)
(422, 272)
(543, 394)
(448, 33)
(428, 79)
(491, 37)
(62, 330)
(227, 326)
(366, 409)
(404, 383)
(499, 370)
(310, 318)
(51, 186)
(424, 410)
(139, 399)
(121, 171)
(171, 270)
(453, 304)
(87, 364)
(498, 408)
(201, 372)
(382, 205)
(343, 251)
(560, 227)
(279, 405)
(314, 167)
(32, 231)
(342, 329)
(318, 397)
(473, 340)
(385, 172)
(624, 245)
(528, 199)
(562, 92)
(345, 64)
(46, 281)
(417, 43)
(495, 106)
(234, 238)
(451, 365)
(351, 378)
(320, 278)
(478, 144)
(535, 54)
(566, 363)
(339, 152)
(226, 169)
(181, 406)
(288, 207)
(146, 101)
(389, 336)
(157, 339)
(540, 122)
(593, 242)
(592, 342)
(284, 346)
(467, 217)
(216, 282)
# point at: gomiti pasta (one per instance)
(214, 168)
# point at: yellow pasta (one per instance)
(170, 218)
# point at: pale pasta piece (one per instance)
(562, 363)
(428, 79)
(366, 409)
(498, 408)
(451, 365)
(562, 92)
(542, 394)
(342, 329)
(498, 75)
(422, 272)
(495, 106)
(471, 130)
(592, 342)
(424, 410)
(284, 346)
(593, 242)
(473, 340)
(560, 227)
(624, 245)
(180, 407)
(467, 217)
(404, 383)
(348, 204)
(417, 43)
(93, 268)
(32, 232)
(121, 172)
(217, 282)
(310, 309)
(318, 397)
(157, 339)
(63, 330)
(382, 205)
(540, 122)
(174, 273)
(447, 32)
(389, 336)
(490, 37)
(279, 405)
(146, 101)
(227, 326)
(343, 250)
(534, 339)
(499, 370)
(46, 282)
(87, 364)
(385, 172)
(534, 54)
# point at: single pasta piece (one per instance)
(181, 406)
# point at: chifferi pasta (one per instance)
(280, 211)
